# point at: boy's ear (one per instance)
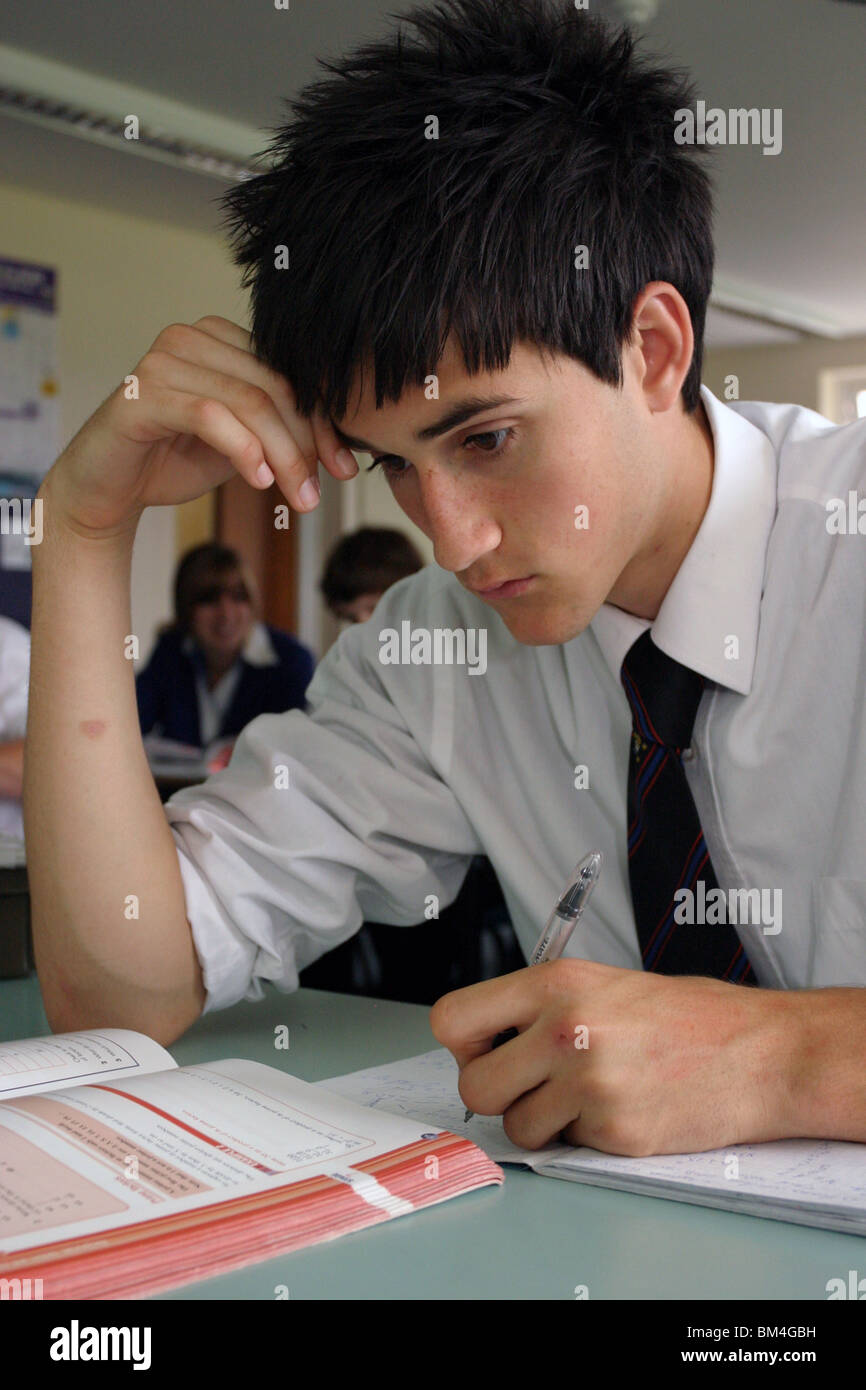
(662, 343)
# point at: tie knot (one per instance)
(663, 694)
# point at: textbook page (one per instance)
(13, 853)
(101, 1157)
(426, 1087)
(69, 1059)
(160, 749)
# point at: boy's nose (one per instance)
(457, 522)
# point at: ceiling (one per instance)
(790, 229)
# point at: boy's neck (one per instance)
(642, 586)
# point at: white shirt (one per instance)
(398, 774)
(213, 702)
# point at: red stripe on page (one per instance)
(181, 1124)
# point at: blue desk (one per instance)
(534, 1238)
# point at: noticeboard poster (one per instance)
(29, 398)
(29, 387)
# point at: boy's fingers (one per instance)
(318, 431)
(339, 461)
(540, 1117)
(225, 330)
(492, 1081)
(205, 364)
(203, 418)
(254, 407)
(467, 1020)
(225, 353)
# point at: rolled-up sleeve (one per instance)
(321, 820)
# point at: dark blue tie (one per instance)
(666, 846)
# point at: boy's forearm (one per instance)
(824, 1048)
(108, 915)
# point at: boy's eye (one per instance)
(388, 461)
(490, 434)
(384, 462)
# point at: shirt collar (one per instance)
(258, 650)
(715, 595)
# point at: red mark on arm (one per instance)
(92, 728)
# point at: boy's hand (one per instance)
(623, 1061)
(202, 407)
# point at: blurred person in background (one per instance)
(14, 677)
(362, 566)
(217, 665)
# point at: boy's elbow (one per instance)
(162, 1019)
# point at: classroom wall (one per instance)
(786, 372)
(120, 280)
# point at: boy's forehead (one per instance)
(449, 392)
(449, 374)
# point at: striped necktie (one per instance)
(667, 851)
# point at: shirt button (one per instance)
(688, 754)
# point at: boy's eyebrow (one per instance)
(457, 414)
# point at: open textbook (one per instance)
(122, 1174)
(814, 1182)
(12, 852)
(169, 758)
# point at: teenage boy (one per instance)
(482, 256)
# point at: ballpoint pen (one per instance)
(559, 926)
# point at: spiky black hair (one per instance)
(552, 133)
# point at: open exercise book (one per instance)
(814, 1182)
(122, 1174)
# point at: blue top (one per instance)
(275, 672)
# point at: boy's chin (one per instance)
(540, 628)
